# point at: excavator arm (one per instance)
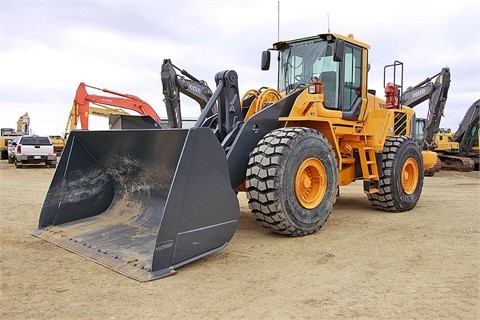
(436, 92)
(466, 154)
(467, 132)
(81, 104)
(174, 84)
(23, 124)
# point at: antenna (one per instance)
(328, 22)
(278, 21)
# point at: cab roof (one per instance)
(325, 36)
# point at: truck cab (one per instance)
(12, 149)
(33, 149)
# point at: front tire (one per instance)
(401, 176)
(292, 181)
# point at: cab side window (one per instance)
(352, 76)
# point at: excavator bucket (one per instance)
(141, 202)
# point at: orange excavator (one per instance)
(81, 105)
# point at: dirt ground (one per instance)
(363, 264)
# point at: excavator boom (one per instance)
(174, 84)
(467, 132)
(467, 156)
(436, 92)
(81, 104)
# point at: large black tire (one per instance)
(292, 181)
(401, 176)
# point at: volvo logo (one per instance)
(194, 89)
(418, 93)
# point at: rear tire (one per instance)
(401, 176)
(292, 180)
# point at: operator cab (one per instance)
(326, 58)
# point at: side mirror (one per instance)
(265, 60)
(339, 49)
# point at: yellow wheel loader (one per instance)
(144, 202)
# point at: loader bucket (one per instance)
(141, 202)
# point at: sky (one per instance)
(48, 47)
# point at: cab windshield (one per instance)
(300, 62)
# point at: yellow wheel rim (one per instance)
(410, 173)
(310, 183)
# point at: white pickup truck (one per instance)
(35, 150)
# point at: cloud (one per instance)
(48, 47)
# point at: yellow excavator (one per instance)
(426, 130)
(145, 202)
(460, 151)
(8, 134)
(457, 151)
(98, 110)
